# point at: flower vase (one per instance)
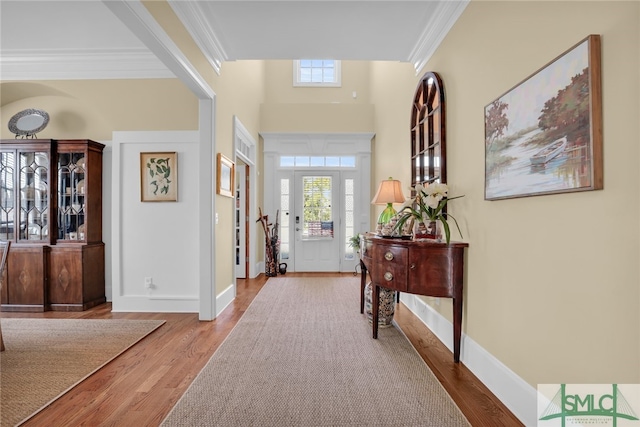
(431, 230)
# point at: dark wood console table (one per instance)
(421, 267)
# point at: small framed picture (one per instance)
(159, 177)
(225, 176)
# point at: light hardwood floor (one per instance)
(141, 386)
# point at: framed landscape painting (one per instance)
(159, 177)
(544, 136)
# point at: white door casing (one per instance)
(245, 151)
(357, 145)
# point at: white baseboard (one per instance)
(170, 303)
(517, 395)
(259, 268)
(156, 304)
(225, 298)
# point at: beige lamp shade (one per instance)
(389, 191)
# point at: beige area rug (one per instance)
(45, 358)
(302, 355)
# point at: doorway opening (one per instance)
(320, 186)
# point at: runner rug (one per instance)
(302, 355)
(45, 358)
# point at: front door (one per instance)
(317, 221)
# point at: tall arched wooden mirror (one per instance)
(428, 138)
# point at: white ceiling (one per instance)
(85, 39)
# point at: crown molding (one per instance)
(139, 20)
(443, 18)
(190, 14)
(81, 64)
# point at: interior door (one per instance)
(317, 221)
(241, 220)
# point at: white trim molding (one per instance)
(126, 296)
(81, 64)
(517, 394)
(445, 15)
(225, 298)
(246, 150)
(137, 18)
(320, 143)
(356, 144)
(191, 15)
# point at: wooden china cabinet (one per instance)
(51, 211)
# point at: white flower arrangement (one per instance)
(428, 206)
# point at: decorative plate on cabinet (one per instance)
(27, 123)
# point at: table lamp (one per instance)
(389, 192)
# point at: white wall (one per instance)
(155, 239)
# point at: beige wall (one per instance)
(392, 89)
(553, 284)
(239, 93)
(95, 108)
(304, 109)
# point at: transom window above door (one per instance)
(318, 161)
(317, 73)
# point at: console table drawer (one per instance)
(390, 266)
(366, 250)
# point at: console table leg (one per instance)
(363, 284)
(375, 306)
(457, 327)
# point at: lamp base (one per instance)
(386, 214)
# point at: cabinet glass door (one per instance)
(34, 195)
(7, 195)
(71, 196)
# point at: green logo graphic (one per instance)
(566, 405)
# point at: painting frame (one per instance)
(554, 123)
(225, 176)
(163, 164)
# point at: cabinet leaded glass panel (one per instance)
(34, 195)
(71, 196)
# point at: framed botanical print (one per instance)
(159, 177)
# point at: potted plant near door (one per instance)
(354, 242)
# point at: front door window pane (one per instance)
(318, 220)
